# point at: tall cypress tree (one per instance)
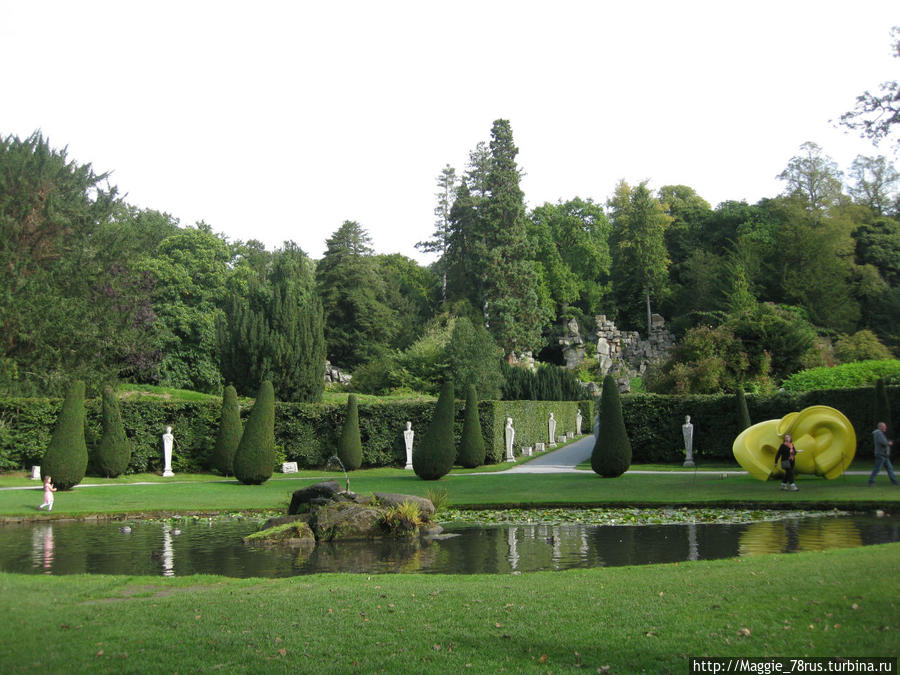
(471, 447)
(743, 413)
(434, 456)
(254, 460)
(612, 450)
(66, 458)
(230, 432)
(114, 451)
(350, 443)
(882, 405)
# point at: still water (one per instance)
(152, 548)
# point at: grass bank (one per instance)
(637, 619)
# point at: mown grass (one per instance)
(627, 619)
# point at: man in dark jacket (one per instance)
(882, 454)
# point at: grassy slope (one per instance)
(632, 619)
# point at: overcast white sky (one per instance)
(280, 120)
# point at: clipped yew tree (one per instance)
(114, 451)
(882, 406)
(471, 447)
(612, 449)
(350, 444)
(66, 457)
(230, 431)
(254, 459)
(433, 457)
(743, 412)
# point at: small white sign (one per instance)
(35, 473)
(289, 467)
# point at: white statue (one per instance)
(687, 430)
(168, 441)
(551, 424)
(510, 437)
(408, 440)
(578, 420)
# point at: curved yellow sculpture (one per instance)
(824, 437)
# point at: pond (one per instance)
(215, 547)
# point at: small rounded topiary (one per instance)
(114, 451)
(612, 449)
(230, 431)
(350, 445)
(66, 458)
(471, 446)
(433, 457)
(254, 459)
(743, 413)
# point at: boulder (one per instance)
(346, 520)
(295, 533)
(301, 498)
(392, 499)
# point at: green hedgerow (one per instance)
(230, 432)
(612, 450)
(254, 459)
(434, 456)
(66, 458)
(113, 454)
(350, 443)
(471, 446)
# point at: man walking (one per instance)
(882, 454)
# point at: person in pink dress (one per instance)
(49, 489)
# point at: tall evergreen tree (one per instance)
(612, 450)
(66, 458)
(350, 443)
(471, 446)
(743, 413)
(433, 457)
(254, 459)
(474, 358)
(439, 242)
(882, 406)
(114, 451)
(230, 432)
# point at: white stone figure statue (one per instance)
(168, 441)
(687, 430)
(551, 424)
(408, 440)
(578, 421)
(510, 437)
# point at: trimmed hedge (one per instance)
(66, 458)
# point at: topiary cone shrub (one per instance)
(433, 457)
(230, 432)
(882, 406)
(612, 450)
(743, 413)
(350, 445)
(114, 451)
(255, 456)
(471, 447)
(66, 457)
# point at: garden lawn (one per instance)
(471, 490)
(629, 619)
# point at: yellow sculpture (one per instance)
(824, 437)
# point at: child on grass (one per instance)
(49, 489)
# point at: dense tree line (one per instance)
(97, 290)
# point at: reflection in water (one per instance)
(204, 548)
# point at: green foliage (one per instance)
(434, 455)
(405, 518)
(230, 432)
(882, 405)
(547, 383)
(848, 375)
(350, 446)
(67, 457)
(474, 359)
(612, 450)
(254, 459)
(471, 447)
(743, 413)
(439, 497)
(863, 345)
(113, 453)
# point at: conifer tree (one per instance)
(66, 458)
(612, 450)
(433, 457)
(254, 460)
(471, 447)
(230, 431)
(882, 405)
(114, 451)
(743, 413)
(350, 444)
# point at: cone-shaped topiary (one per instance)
(743, 413)
(471, 446)
(229, 435)
(66, 458)
(434, 456)
(350, 445)
(612, 449)
(114, 451)
(882, 405)
(254, 459)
